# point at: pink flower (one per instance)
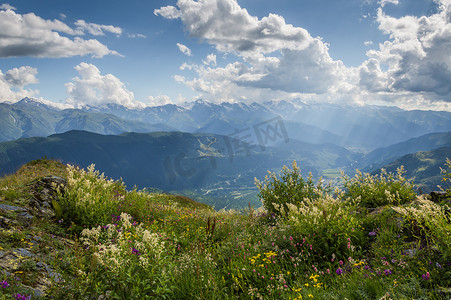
(340, 262)
(328, 271)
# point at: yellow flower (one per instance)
(310, 295)
(306, 284)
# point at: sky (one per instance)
(144, 53)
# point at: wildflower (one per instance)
(339, 271)
(4, 284)
(372, 233)
(22, 297)
(387, 272)
(340, 262)
(426, 276)
(310, 295)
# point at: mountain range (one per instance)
(363, 128)
(213, 152)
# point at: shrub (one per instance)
(331, 227)
(90, 198)
(276, 193)
(378, 190)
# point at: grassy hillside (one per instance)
(382, 156)
(375, 240)
(213, 165)
(423, 168)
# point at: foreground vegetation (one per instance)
(374, 239)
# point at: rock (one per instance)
(25, 218)
(46, 189)
(12, 208)
(8, 223)
(45, 192)
(19, 214)
(21, 252)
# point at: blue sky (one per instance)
(138, 53)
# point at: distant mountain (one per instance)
(32, 118)
(423, 167)
(367, 127)
(357, 127)
(175, 161)
(361, 128)
(382, 156)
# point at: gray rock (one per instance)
(23, 252)
(25, 218)
(12, 208)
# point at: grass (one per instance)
(118, 244)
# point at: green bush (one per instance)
(276, 193)
(90, 198)
(378, 190)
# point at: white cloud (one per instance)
(30, 35)
(277, 60)
(22, 76)
(367, 43)
(184, 49)
(169, 12)
(12, 83)
(136, 35)
(231, 29)
(96, 89)
(6, 6)
(96, 29)
(210, 60)
(371, 76)
(385, 2)
(418, 53)
(159, 100)
(276, 55)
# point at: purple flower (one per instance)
(372, 233)
(135, 251)
(339, 271)
(4, 284)
(387, 272)
(22, 297)
(426, 276)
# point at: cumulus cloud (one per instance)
(231, 28)
(276, 55)
(210, 60)
(31, 35)
(6, 6)
(184, 49)
(385, 2)
(13, 81)
(96, 29)
(278, 60)
(159, 100)
(21, 76)
(91, 87)
(418, 52)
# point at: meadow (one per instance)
(373, 238)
